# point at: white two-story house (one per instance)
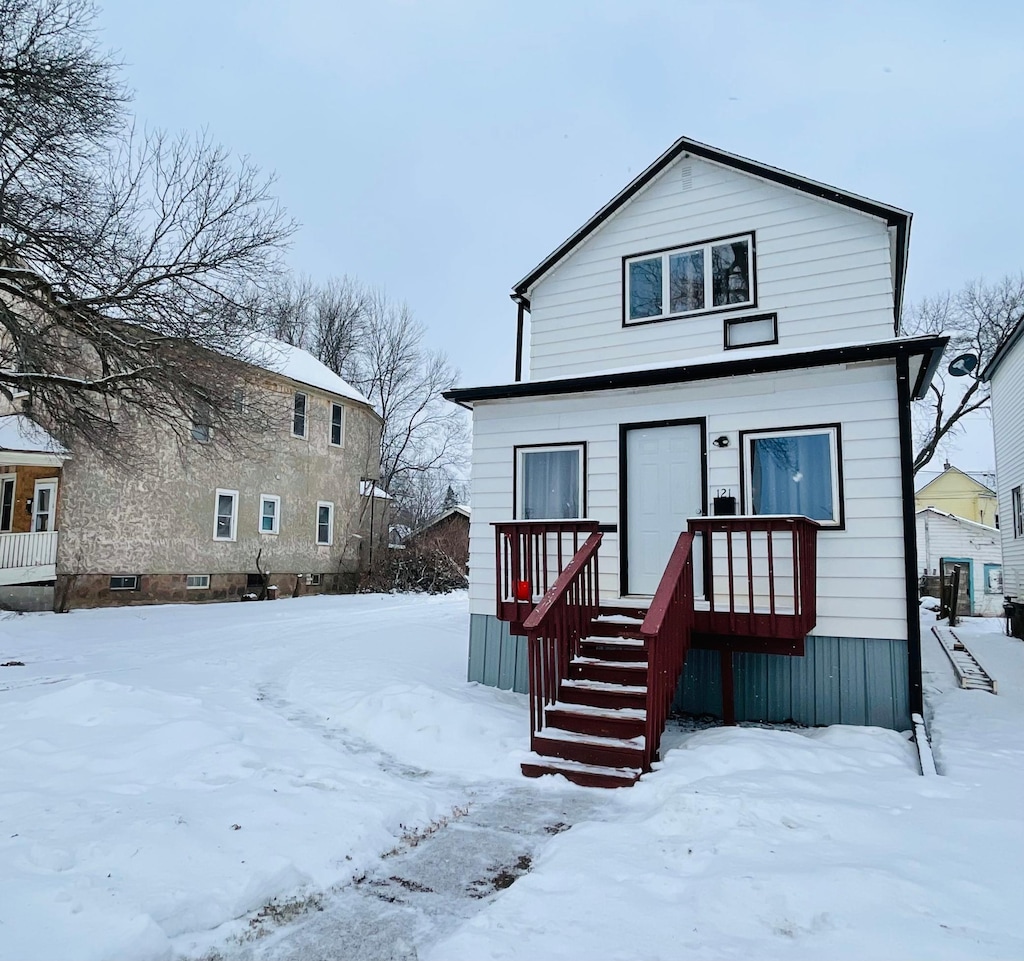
(716, 353)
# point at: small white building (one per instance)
(1005, 374)
(945, 540)
(721, 338)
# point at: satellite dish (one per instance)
(961, 366)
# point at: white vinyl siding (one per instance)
(1008, 430)
(824, 268)
(861, 577)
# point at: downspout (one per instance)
(520, 320)
(915, 692)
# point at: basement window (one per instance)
(124, 582)
(197, 582)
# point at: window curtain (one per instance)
(793, 475)
(551, 484)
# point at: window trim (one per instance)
(731, 322)
(835, 449)
(517, 466)
(277, 514)
(305, 413)
(234, 514)
(665, 253)
(197, 587)
(330, 524)
(134, 586)
(10, 478)
(335, 406)
(1017, 510)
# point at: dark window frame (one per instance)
(666, 252)
(1017, 510)
(731, 322)
(746, 493)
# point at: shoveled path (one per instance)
(426, 887)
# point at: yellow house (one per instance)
(964, 495)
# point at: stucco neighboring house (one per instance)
(188, 524)
(944, 541)
(968, 495)
(1005, 374)
(701, 495)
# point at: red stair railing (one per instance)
(761, 575)
(529, 556)
(666, 629)
(554, 629)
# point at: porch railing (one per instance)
(666, 629)
(760, 576)
(36, 549)
(529, 557)
(558, 623)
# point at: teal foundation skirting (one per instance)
(839, 680)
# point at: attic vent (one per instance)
(686, 177)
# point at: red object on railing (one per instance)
(554, 629)
(666, 630)
(760, 574)
(532, 553)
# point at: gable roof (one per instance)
(962, 521)
(460, 509)
(893, 216)
(1003, 352)
(979, 478)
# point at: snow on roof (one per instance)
(959, 520)
(925, 477)
(19, 433)
(365, 487)
(298, 365)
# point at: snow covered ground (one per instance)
(167, 772)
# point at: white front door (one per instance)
(664, 486)
(44, 506)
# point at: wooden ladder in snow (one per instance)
(969, 673)
(602, 679)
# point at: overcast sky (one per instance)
(440, 149)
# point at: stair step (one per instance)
(614, 649)
(588, 775)
(614, 672)
(605, 722)
(590, 749)
(602, 627)
(624, 610)
(600, 694)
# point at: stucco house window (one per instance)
(225, 515)
(270, 514)
(324, 523)
(337, 425)
(299, 416)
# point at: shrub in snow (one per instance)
(429, 570)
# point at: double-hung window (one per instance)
(7, 482)
(324, 523)
(225, 515)
(549, 482)
(337, 425)
(794, 471)
(299, 415)
(714, 275)
(1017, 510)
(270, 514)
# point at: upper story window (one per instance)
(714, 275)
(299, 417)
(225, 515)
(324, 523)
(337, 425)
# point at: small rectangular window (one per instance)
(299, 417)
(314, 580)
(324, 522)
(197, 582)
(124, 582)
(713, 275)
(270, 514)
(549, 482)
(1017, 511)
(202, 423)
(751, 331)
(794, 472)
(993, 579)
(337, 424)
(225, 515)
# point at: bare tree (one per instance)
(977, 318)
(128, 264)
